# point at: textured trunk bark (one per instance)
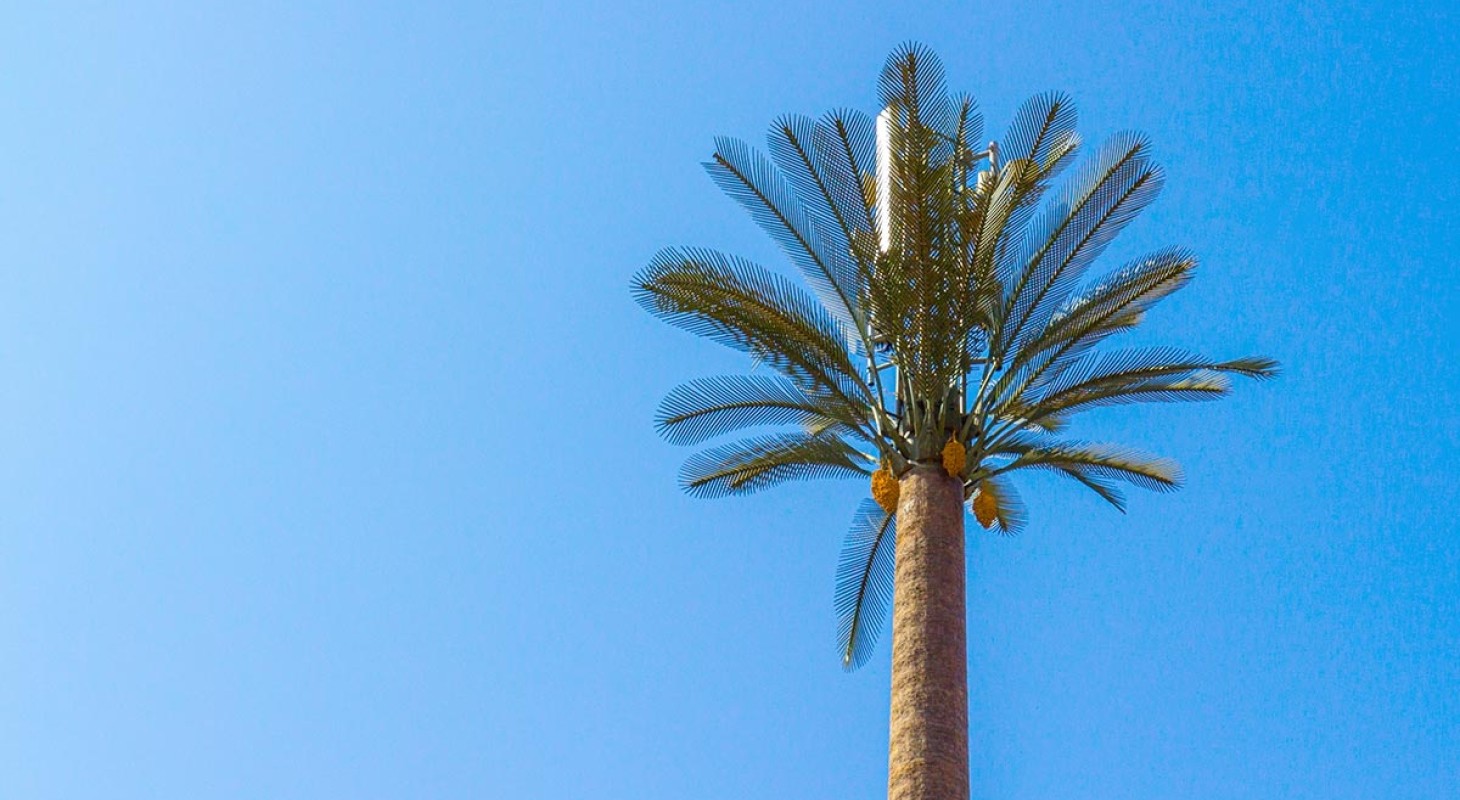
(928, 753)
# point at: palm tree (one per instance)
(948, 338)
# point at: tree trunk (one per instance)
(928, 753)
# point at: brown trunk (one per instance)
(928, 753)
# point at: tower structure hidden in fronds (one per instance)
(951, 325)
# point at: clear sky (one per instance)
(326, 458)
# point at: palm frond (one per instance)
(1144, 375)
(1109, 307)
(1042, 133)
(1196, 387)
(749, 308)
(1099, 202)
(709, 407)
(823, 189)
(864, 582)
(1104, 488)
(1040, 143)
(1138, 363)
(845, 159)
(967, 133)
(746, 466)
(912, 80)
(1124, 295)
(1100, 464)
(753, 180)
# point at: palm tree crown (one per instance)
(949, 318)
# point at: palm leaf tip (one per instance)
(912, 82)
(1043, 125)
(1102, 468)
(1257, 367)
(864, 582)
(765, 190)
(1138, 469)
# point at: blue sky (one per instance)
(326, 464)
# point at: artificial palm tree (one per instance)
(948, 337)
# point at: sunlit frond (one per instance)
(1101, 199)
(912, 80)
(824, 189)
(1147, 375)
(844, 157)
(1088, 318)
(1100, 467)
(753, 180)
(1039, 144)
(745, 466)
(1042, 133)
(709, 407)
(747, 307)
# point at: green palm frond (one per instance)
(745, 466)
(1040, 143)
(844, 159)
(1042, 134)
(1100, 467)
(864, 582)
(824, 189)
(749, 308)
(912, 80)
(1137, 363)
(754, 181)
(1088, 318)
(705, 408)
(1115, 303)
(968, 130)
(1099, 202)
(1147, 375)
(1102, 487)
(1193, 387)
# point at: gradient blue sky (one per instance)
(326, 465)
